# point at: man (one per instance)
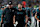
(1, 11)
(19, 14)
(37, 15)
(23, 4)
(33, 21)
(8, 15)
(29, 12)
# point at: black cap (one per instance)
(10, 3)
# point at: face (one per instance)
(10, 6)
(19, 6)
(5, 7)
(2, 8)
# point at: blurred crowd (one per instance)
(32, 2)
(30, 8)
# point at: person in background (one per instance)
(23, 4)
(33, 23)
(1, 11)
(5, 7)
(37, 16)
(26, 8)
(29, 12)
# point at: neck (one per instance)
(19, 9)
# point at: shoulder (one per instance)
(6, 9)
(23, 8)
(37, 9)
(27, 8)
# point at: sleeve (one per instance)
(15, 13)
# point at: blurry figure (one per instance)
(23, 4)
(37, 3)
(33, 20)
(8, 14)
(2, 8)
(26, 9)
(20, 16)
(5, 7)
(37, 16)
(1, 11)
(33, 13)
(29, 12)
